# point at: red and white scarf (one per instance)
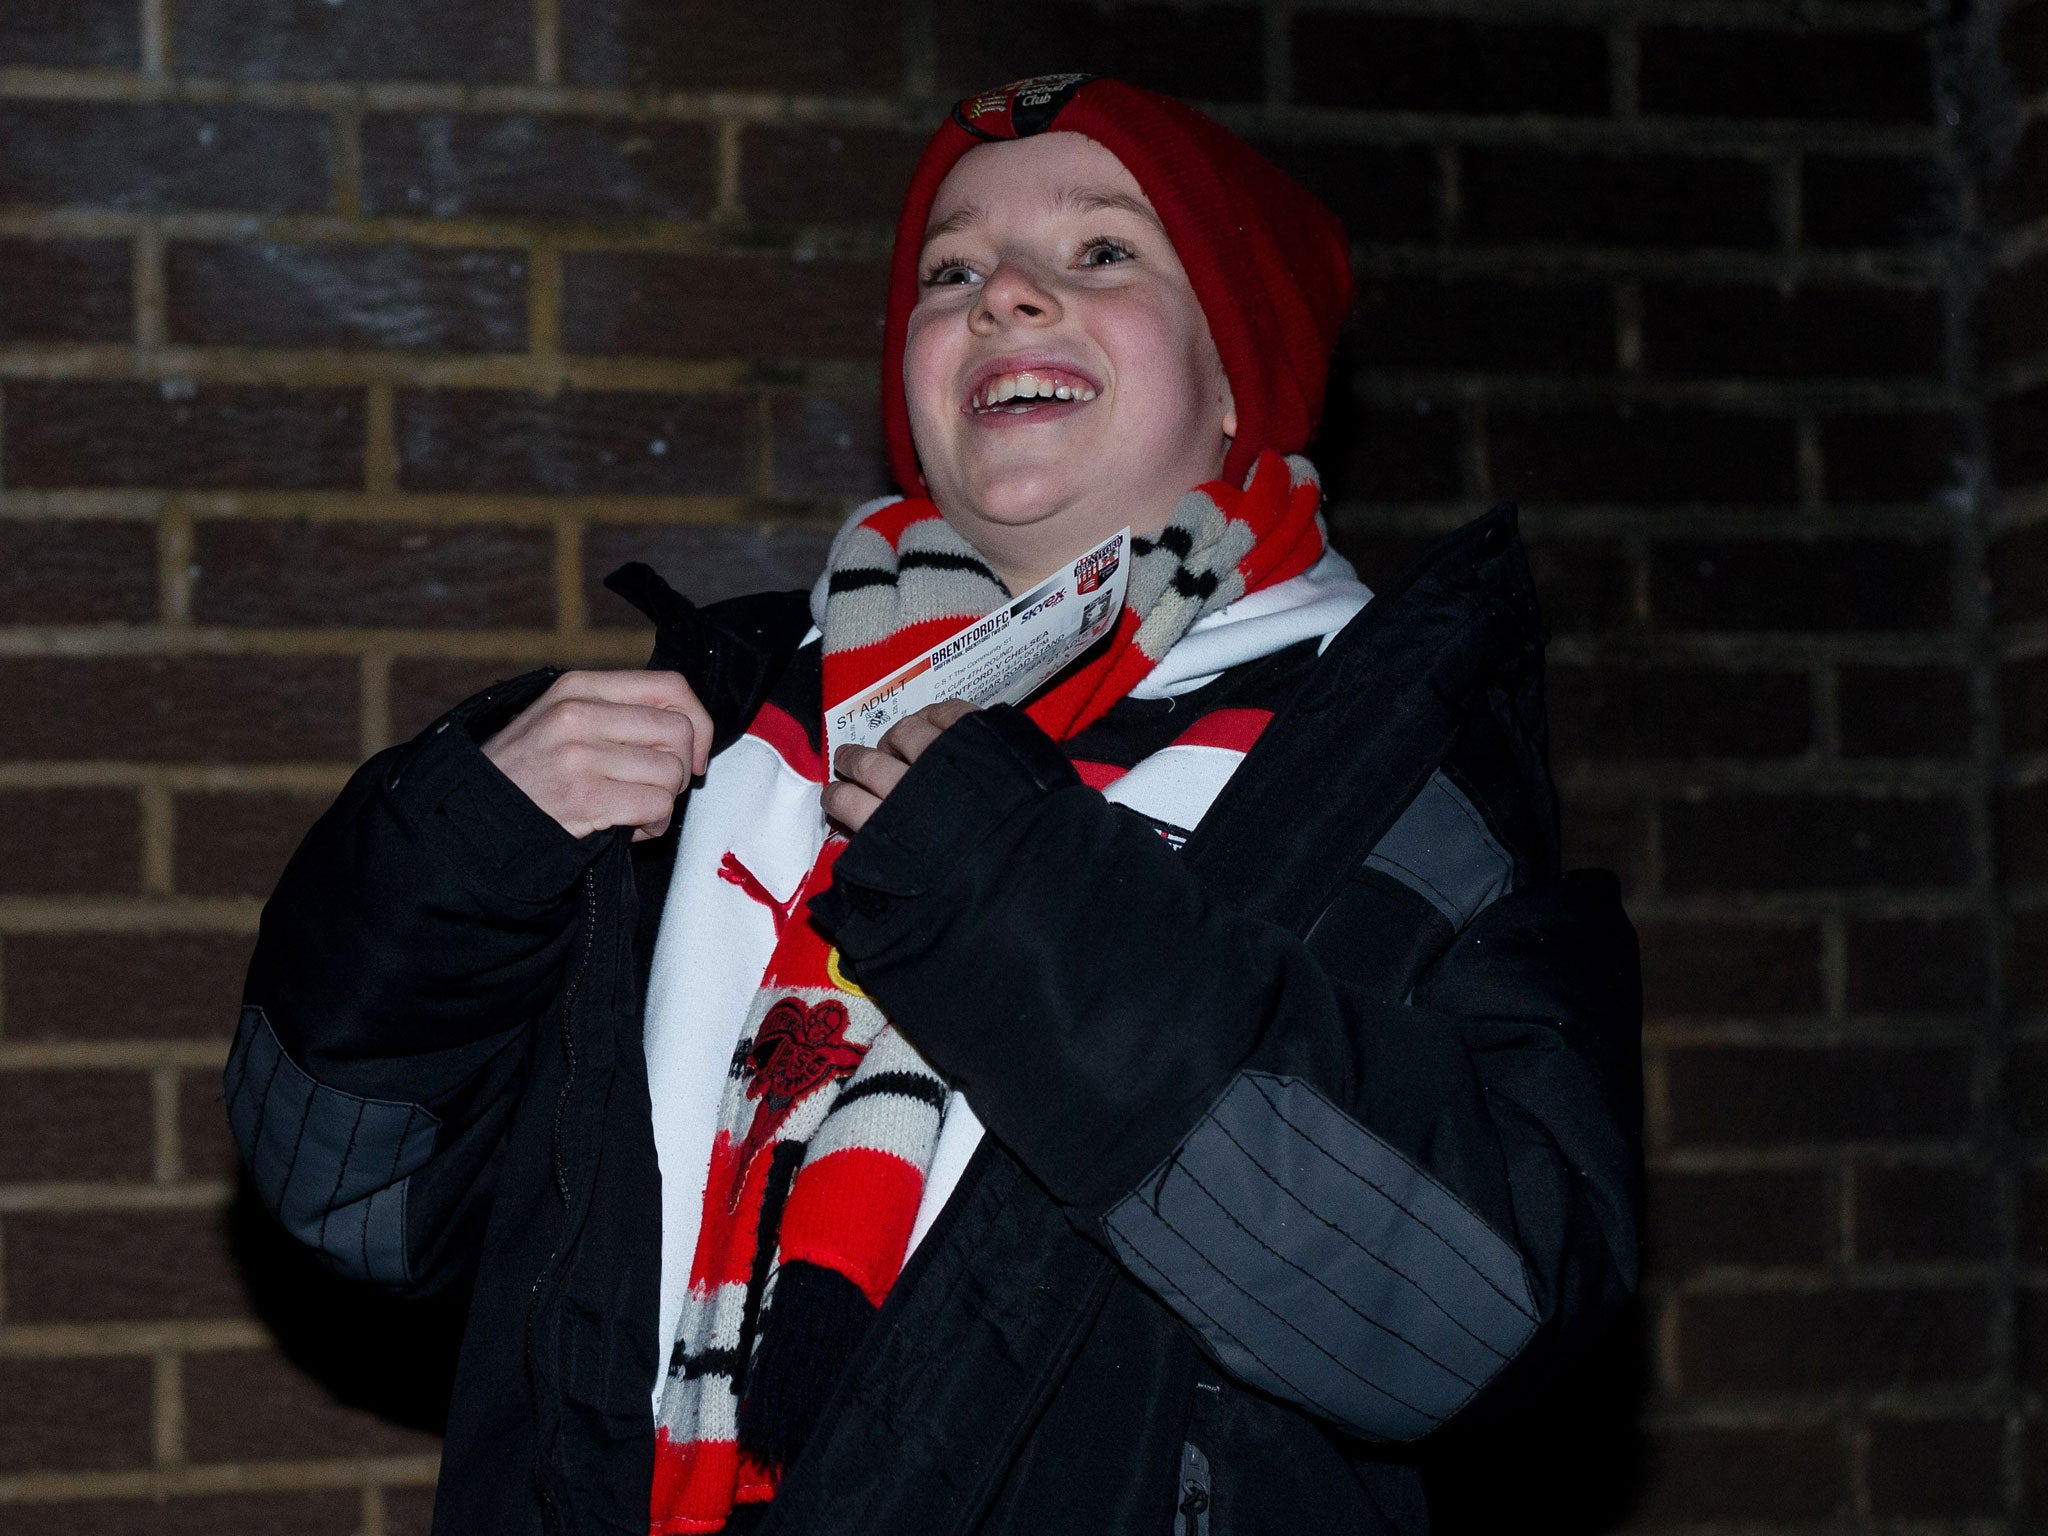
(826, 1130)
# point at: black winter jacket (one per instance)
(1304, 1141)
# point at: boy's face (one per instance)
(1042, 258)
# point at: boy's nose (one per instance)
(1013, 295)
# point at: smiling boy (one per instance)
(1155, 1107)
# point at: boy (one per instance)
(1152, 1107)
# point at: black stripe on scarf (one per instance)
(857, 578)
(787, 1158)
(945, 560)
(910, 1085)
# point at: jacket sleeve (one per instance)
(1381, 1212)
(420, 929)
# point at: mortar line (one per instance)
(547, 42)
(166, 1150)
(155, 29)
(167, 1410)
(159, 838)
(174, 543)
(150, 286)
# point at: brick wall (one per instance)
(344, 345)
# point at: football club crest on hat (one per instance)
(1017, 110)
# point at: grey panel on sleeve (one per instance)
(1442, 849)
(332, 1166)
(1320, 1264)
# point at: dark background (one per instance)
(343, 346)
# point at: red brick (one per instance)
(1774, 1217)
(1893, 456)
(72, 1415)
(1850, 201)
(1449, 64)
(2026, 1086)
(2019, 570)
(825, 445)
(1786, 1472)
(2023, 47)
(450, 165)
(1200, 52)
(1584, 586)
(1695, 969)
(1392, 453)
(1834, 1340)
(2032, 1235)
(1440, 323)
(70, 571)
(1881, 77)
(1800, 585)
(798, 45)
(1914, 1212)
(160, 158)
(705, 562)
(70, 842)
(2019, 438)
(2013, 320)
(756, 304)
(1521, 194)
(1757, 331)
(2023, 832)
(70, 34)
(1914, 964)
(121, 1267)
(585, 442)
(324, 1512)
(65, 290)
(277, 294)
(423, 688)
(1617, 712)
(121, 986)
(2023, 693)
(247, 1405)
(1800, 843)
(2027, 972)
(1904, 712)
(820, 174)
(408, 1511)
(214, 437)
(2023, 193)
(207, 1149)
(75, 1125)
(1645, 455)
(1766, 1095)
(169, 709)
(235, 842)
(1380, 191)
(1934, 1467)
(476, 41)
(270, 572)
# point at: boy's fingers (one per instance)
(908, 738)
(849, 805)
(648, 689)
(632, 725)
(876, 772)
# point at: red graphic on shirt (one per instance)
(733, 872)
(796, 1051)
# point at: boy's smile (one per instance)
(1059, 372)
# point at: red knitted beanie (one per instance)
(1269, 263)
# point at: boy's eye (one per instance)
(1104, 253)
(949, 274)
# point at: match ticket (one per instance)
(1003, 657)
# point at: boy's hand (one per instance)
(867, 774)
(607, 749)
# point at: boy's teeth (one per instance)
(1026, 386)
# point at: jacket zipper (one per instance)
(1192, 1494)
(551, 1516)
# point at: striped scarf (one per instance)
(829, 1116)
